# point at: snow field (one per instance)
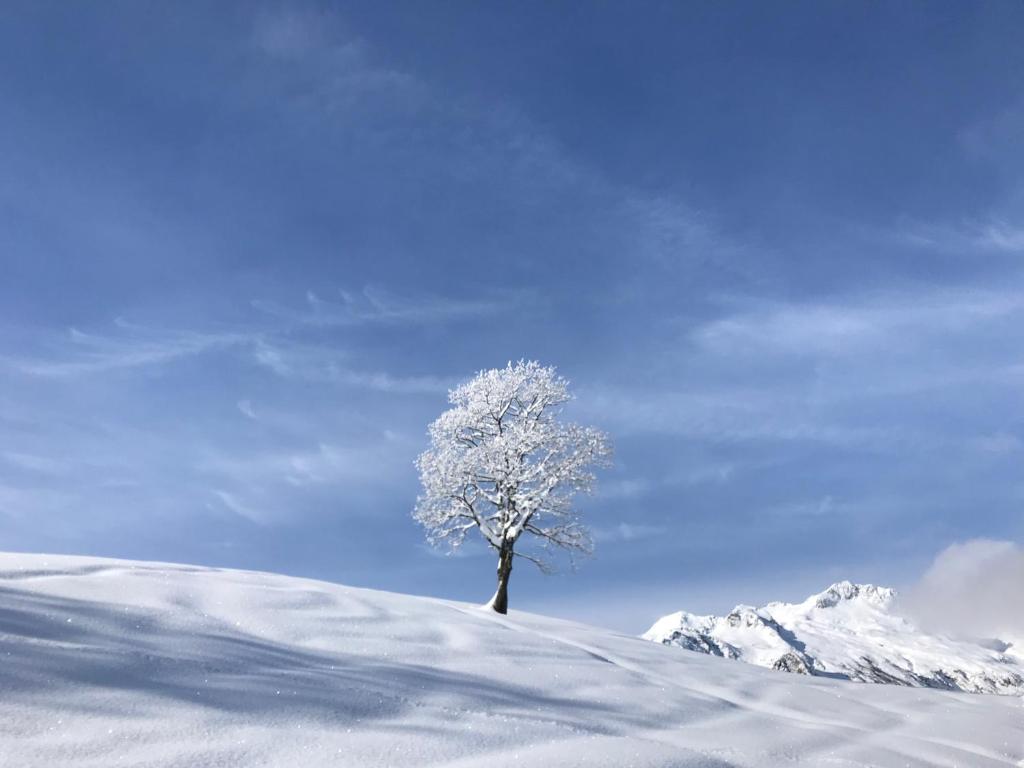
(109, 662)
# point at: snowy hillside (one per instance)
(849, 631)
(108, 663)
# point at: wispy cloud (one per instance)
(628, 488)
(714, 473)
(808, 371)
(385, 382)
(80, 353)
(26, 503)
(375, 305)
(469, 548)
(1004, 237)
(319, 363)
(842, 328)
(326, 464)
(242, 509)
(626, 532)
(289, 32)
(969, 238)
(282, 348)
(46, 465)
(1001, 442)
(333, 71)
(727, 415)
(333, 77)
(246, 408)
(820, 507)
(271, 484)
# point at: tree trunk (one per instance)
(500, 600)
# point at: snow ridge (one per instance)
(850, 631)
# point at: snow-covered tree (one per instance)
(501, 462)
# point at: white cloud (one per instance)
(975, 587)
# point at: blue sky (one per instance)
(779, 250)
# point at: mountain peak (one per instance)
(852, 631)
(843, 591)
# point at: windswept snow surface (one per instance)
(852, 631)
(110, 663)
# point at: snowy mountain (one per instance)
(849, 631)
(106, 662)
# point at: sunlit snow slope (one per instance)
(116, 663)
(853, 631)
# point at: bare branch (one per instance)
(543, 566)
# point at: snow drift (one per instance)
(850, 631)
(107, 662)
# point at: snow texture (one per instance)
(109, 663)
(851, 631)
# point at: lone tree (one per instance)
(502, 462)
